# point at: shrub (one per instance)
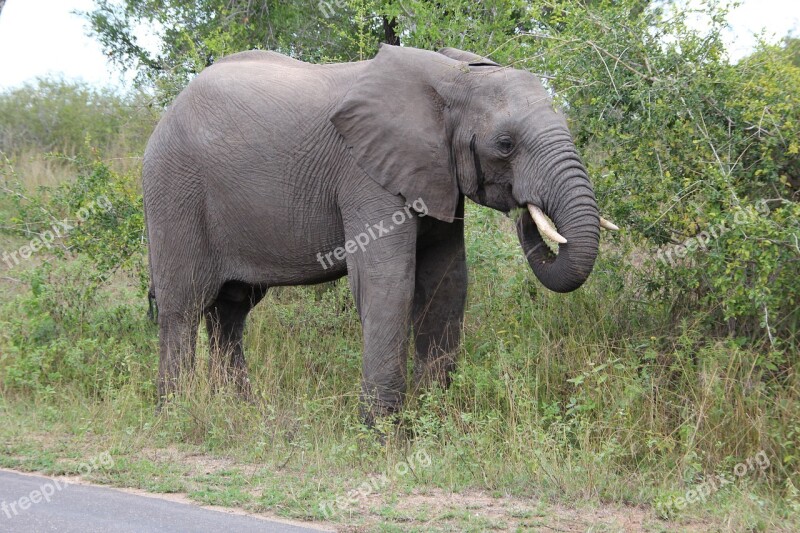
(69, 332)
(99, 214)
(696, 156)
(53, 115)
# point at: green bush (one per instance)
(680, 141)
(70, 332)
(99, 214)
(695, 156)
(88, 235)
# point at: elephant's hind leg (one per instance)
(225, 321)
(439, 299)
(177, 340)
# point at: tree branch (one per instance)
(390, 31)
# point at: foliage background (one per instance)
(678, 139)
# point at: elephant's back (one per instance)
(265, 56)
(249, 135)
(259, 95)
(250, 102)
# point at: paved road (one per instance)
(35, 504)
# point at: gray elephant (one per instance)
(267, 171)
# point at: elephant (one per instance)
(266, 171)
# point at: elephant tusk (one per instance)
(608, 224)
(544, 225)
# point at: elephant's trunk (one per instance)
(572, 207)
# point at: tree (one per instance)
(53, 115)
(193, 34)
(792, 45)
(696, 155)
(680, 142)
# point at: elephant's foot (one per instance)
(243, 387)
(168, 390)
(164, 400)
(432, 371)
(392, 428)
(382, 418)
(237, 378)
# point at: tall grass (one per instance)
(589, 395)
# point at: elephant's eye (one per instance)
(505, 145)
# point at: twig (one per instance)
(610, 76)
(622, 62)
(766, 323)
(18, 194)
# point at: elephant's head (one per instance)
(437, 125)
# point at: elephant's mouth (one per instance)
(543, 224)
(547, 229)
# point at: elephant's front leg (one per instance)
(439, 299)
(381, 272)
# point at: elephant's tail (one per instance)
(152, 305)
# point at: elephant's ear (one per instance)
(473, 60)
(394, 120)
